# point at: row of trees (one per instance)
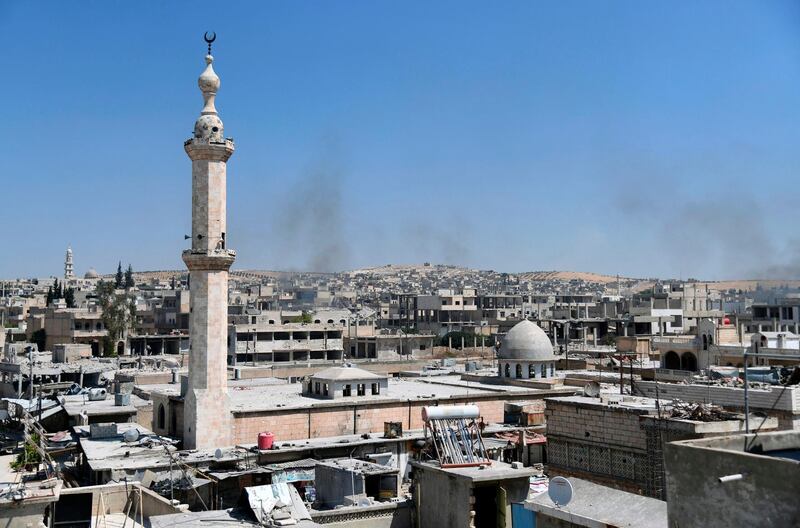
(58, 291)
(124, 280)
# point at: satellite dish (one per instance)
(560, 491)
(218, 454)
(131, 435)
(592, 389)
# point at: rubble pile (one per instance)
(701, 412)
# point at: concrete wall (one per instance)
(345, 419)
(777, 399)
(115, 498)
(611, 425)
(22, 515)
(395, 515)
(443, 500)
(766, 496)
(334, 483)
(600, 443)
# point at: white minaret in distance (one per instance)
(207, 418)
(69, 271)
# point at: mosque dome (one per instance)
(526, 341)
(91, 274)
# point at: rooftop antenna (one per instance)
(210, 39)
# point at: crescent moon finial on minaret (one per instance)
(210, 39)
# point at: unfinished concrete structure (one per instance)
(268, 342)
(206, 408)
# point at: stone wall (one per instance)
(344, 419)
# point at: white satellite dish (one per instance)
(218, 454)
(592, 389)
(560, 491)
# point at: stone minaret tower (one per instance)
(69, 271)
(207, 418)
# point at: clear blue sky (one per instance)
(641, 138)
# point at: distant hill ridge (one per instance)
(533, 276)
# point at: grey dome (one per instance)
(526, 341)
(91, 274)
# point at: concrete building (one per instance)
(618, 440)
(526, 353)
(469, 496)
(594, 506)
(71, 325)
(726, 481)
(269, 404)
(387, 345)
(345, 382)
(207, 406)
(274, 341)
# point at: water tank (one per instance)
(450, 412)
(97, 394)
(265, 440)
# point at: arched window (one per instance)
(519, 370)
(543, 370)
(710, 340)
(316, 321)
(688, 362)
(705, 342)
(552, 369)
(671, 361)
(161, 416)
(531, 370)
(330, 321)
(508, 370)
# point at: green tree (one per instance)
(119, 277)
(57, 293)
(29, 457)
(306, 318)
(69, 297)
(50, 295)
(129, 282)
(119, 313)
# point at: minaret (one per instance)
(207, 418)
(69, 272)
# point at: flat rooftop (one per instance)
(496, 471)
(79, 403)
(147, 452)
(596, 505)
(257, 395)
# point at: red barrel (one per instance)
(265, 440)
